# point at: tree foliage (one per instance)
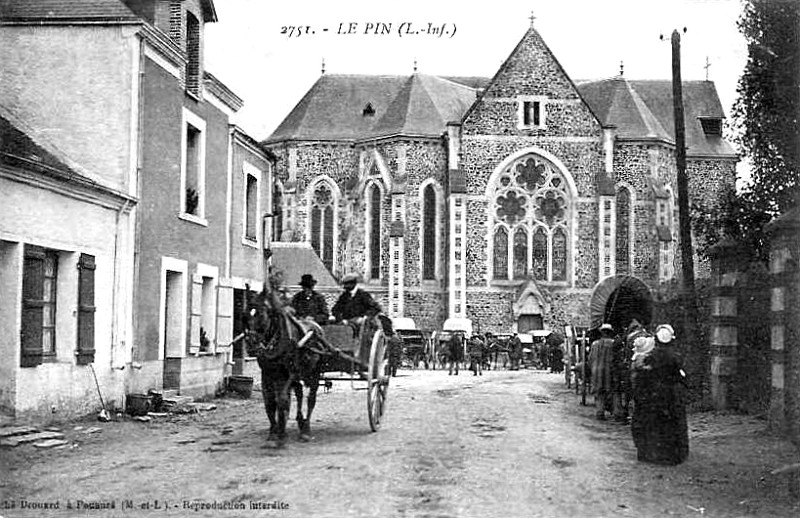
(767, 108)
(765, 128)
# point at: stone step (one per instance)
(31, 437)
(50, 443)
(10, 431)
(178, 400)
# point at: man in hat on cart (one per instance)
(309, 303)
(355, 304)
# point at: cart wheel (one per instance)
(378, 380)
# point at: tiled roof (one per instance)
(643, 110)
(20, 10)
(17, 144)
(296, 259)
(354, 107)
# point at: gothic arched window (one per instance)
(623, 251)
(530, 205)
(374, 231)
(429, 233)
(322, 216)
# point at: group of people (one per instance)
(639, 374)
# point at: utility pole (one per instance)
(687, 256)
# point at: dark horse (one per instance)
(287, 361)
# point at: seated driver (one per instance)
(354, 303)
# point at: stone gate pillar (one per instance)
(785, 322)
(728, 262)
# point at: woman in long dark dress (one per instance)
(659, 426)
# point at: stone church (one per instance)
(506, 201)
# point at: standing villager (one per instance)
(659, 427)
(309, 303)
(394, 353)
(475, 349)
(515, 351)
(601, 359)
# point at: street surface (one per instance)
(510, 444)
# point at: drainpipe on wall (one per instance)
(136, 220)
(229, 204)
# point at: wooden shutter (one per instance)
(196, 314)
(86, 309)
(32, 307)
(224, 313)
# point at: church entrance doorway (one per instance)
(528, 323)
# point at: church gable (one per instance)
(531, 95)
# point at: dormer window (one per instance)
(368, 111)
(531, 113)
(712, 127)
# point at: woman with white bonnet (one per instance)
(659, 425)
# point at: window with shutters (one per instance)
(38, 331)
(86, 309)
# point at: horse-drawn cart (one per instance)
(298, 354)
(360, 353)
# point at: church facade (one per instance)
(504, 200)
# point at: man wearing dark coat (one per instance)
(601, 360)
(309, 303)
(354, 302)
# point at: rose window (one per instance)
(530, 224)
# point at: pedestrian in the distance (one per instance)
(659, 427)
(601, 359)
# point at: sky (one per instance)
(270, 53)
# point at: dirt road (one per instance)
(512, 444)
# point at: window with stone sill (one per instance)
(530, 214)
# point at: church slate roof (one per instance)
(297, 259)
(16, 10)
(357, 107)
(642, 110)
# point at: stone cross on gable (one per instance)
(532, 17)
(707, 66)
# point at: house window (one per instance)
(322, 217)
(429, 233)
(86, 309)
(38, 332)
(193, 167)
(531, 113)
(531, 206)
(374, 231)
(252, 202)
(623, 231)
(192, 54)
